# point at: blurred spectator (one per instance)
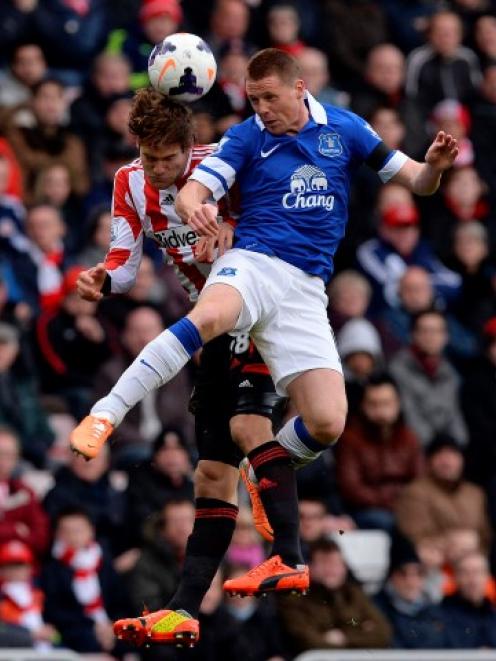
(21, 603)
(360, 349)
(384, 80)
(377, 456)
(12, 212)
(20, 406)
(231, 78)
(315, 73)
(349, 297)
(416, 622)
(27, 68)
(454, 118)
(389, 125)
(316, 522)
(72, 345)
(14, 180)
(349, 31)
(87, 485)
(109, 77)
(428, 382)
(113, 157)
(443, 68)
(53, 186)
(155, 576)
(49, 141)
(83, 593)
(229, 25)
(22, 517)
(484, 128)
(167, 476)
(408, 20)
(416, 294)
(258, 634)
(470, 258)
(162, 408)
(157, 20)
(442, 499)
(470, 618)
(246, 547)
(478, 397)
(98, 237)
(336, 612)
(485, 39)
(399, 245)
(283, 26)
(71, 34)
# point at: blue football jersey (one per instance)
(294, 189)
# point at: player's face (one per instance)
(279, 104)
(163, 165)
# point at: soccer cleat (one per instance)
(271, 576)
(260, 519)
(164, 626)
(90, 435)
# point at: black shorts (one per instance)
(231, 379)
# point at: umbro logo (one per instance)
(264, 154)
(227, 271)
(246, 384)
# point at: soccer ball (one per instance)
(182, 67)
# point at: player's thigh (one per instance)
(319, 396)
(253, 396)
(217, 311)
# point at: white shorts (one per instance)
(284, 311)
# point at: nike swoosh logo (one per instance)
(264, 154)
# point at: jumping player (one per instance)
(293, 162)
(229, 382)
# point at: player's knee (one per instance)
(328, 429)
(249, 431)
(208, 319)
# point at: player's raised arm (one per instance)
(192, 209)
(424, 178)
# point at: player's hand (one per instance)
(225, 238)
(90, 283)
(203, 219)
(204, 250)
(442, 152)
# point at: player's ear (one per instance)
(300, 88)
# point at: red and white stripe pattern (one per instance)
(139, 209)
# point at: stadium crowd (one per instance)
(412, 304)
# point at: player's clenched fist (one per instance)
(90, 283)
(203, 219)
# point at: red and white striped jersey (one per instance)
(138, 210)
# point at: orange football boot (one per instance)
(164, 626)
(271, 576)
(90, 435)
(260, 519)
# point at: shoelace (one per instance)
(261, 569)
(97, 429)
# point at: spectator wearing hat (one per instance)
(20, 406)
(442, 500)
(428, 383)
(167, 476)
(72, 345)
(384, 259)
(21, 602)
(478, 398)
(22, 517)
(377, 456)
(336, 612)
(417, 623)
(157, 20)
(360, 349)
(470, 618)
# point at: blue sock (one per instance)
(187, 333)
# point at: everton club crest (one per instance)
(330, 144)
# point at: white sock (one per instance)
(300, 452)
(158, 363)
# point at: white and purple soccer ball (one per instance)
(182, 66)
